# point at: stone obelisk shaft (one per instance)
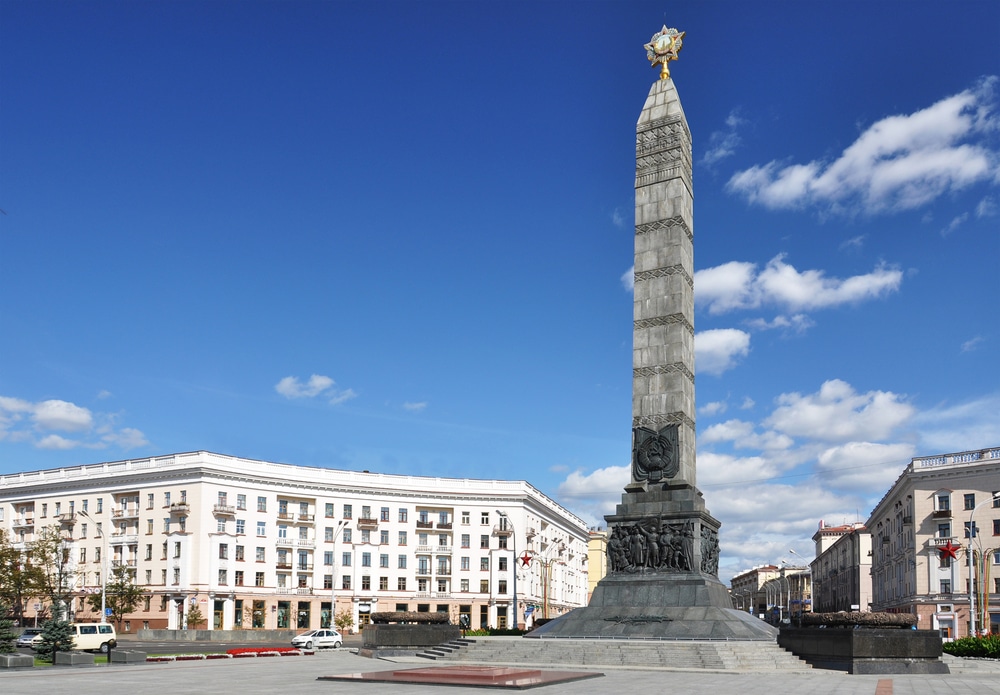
(663, 333)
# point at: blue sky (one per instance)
(397, 237)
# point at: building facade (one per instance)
(922, 530)
(597, 561)
(842, 576)
(774, 593)
(255, 544)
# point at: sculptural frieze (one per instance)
(651, 545)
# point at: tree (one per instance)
(49, 553)
(122, 595)
(194, 617)
(344, 621)
(20, 579)
(8, 636)
(57, 636)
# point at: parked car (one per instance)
(94, 636)
(30, 637)
(318, 639)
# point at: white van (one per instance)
(94, 636)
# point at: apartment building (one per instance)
(256, 544)
(922, 530)
(841, 572)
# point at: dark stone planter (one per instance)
(74, 659)
(127, 656)
(16, 661)
(866, 651)
(414, 637)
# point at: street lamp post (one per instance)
(972, 576)
(341, 525)
(802, 590)
(513, 534)
(104, 565)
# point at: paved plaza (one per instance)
(266, 676)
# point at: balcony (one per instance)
(180, 508)
(443, 572)
(503, 530)
(303, 591)
(425, 524)
(69, 518)
(126, 513)
(286, 516)
(285, 542)
(306, 543)
(941, 514)
(939, 542)
(367, 524)
(304, 567)
(123, 539)
(307, 518)
(23, 522)
(423, 571)
(444, 525)
(908, 521)
(224, 510)
(283, 565)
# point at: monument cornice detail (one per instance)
(665, 272)
(666, 224)
(668, 320)
(658, 421)
(675, 368)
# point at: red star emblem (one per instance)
(525, 559)
(948, 550)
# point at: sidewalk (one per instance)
(267, 676)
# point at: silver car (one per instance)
(30, 637)
(318, 639)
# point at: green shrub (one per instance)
(984, 647)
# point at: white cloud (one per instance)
(863, 466)
(853, 243)
(955, 224)
(104, 393)
(899, 163)
(338, 397)
(723, 143)
(837, 413)
(743, 435)
(713, 408)
(415, 407)
(54, 441)
(719, 349)
(962, 426)
(628, 279)
(126, 438)
(737, 285)
(617, 218)
(972, 343)
(62, 416)
(747, 404)
(593, 495)
(987, 207)
(799, 323)
(291, 387)
(24, 421)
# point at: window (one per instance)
(465, 518)
(345, 560)
(223, 551)
(345, 582)
(996, 527)
(282, 531)
(383, 537)
(258, 579)
(401, 562)
(502, 586)
(403, 514)
(183, 523)
(149, 552)
(401, 584)
(383, 514)
(177, 576)
(220, 525)
(177, 550)
(423, 566)
(303, 533)
(996, 500)
(465, 585)
(970, 501)
(366, 512)
(502, 564)
(366, 559)
(184, 496)
(383, 583)
(484, 541)
(465, 540)
(328, 557)
(261, 504)
(86, 503)
(465, 563)
(261, 528)
(328, 534)
(241, 502)
(944, 530)
(241, 527)
(100, 505)
(484, 586)
(239, 553)
(402, 537)
(484, 564)
(366, 536)
(348, 511)
(223, 577)
(223, 499)
(259, 554)
(83, 527)
(442, 588)
(327, 581)
(502, 542)
(166, 500)
(945, 586)
(149, 580)
(443, 540)
(366, 583)
(149, 501)
(347, 536)
(149, 527)
(944, 561)
(484, 518)
(944, 503)
(383, 560)
(975, 529)
(422, 587)
(239, 577)
(83, 555)
(328, 510)
(421, 539)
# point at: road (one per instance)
(195, 647)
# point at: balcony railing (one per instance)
(178, 507)
(425, 524)
(941, 514)
(303, 591)
(285, 542)
(939, 541)
(423, 571)
(123, 538)
(308, 518)
(444, 525)
(224, 509)
(69, 518)
(25, 521)
(368, 523)
(283, 565)
(125, 513)
(304, 568)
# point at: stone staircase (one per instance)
(723, 656)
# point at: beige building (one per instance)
(751, 592)
(920, 541)
(841, 572)
(258, 544)
(597, 559)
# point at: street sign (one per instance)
(107, 612)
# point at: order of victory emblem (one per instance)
(654, 454)
(664, 47)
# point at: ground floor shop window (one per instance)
(325, 615)
(259, 614)
(238, 615)
(284, 614)
(484, 617)
(304, 612)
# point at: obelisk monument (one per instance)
(663, 544)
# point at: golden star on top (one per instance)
(664, 47)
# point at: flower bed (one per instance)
(240, 653)
(265, 651)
